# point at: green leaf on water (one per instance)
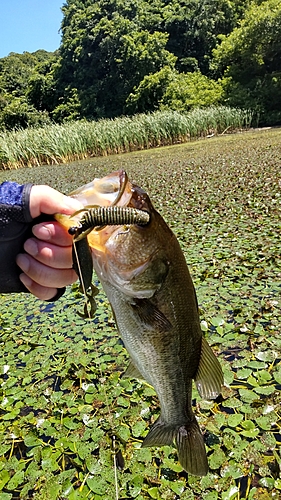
(277, 484)
(248, 425)
(231, 493)
(217, 321)
(16, 480)
(265, 422)
(178, 487)
(212, 495)
(267, 482)
(216, 459)
(97, 485)
(4, 478)
(252, 433)
(266, 390)
(247, 395)
(135, 485)
(138, 428)
(153, 493)
(235, 419)
(243, 373)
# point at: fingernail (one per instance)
(23, 262)
(31, 247)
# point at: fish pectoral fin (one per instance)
(209, 376)
(188, 440)
(132, 372)
(150, 315)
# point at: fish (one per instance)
(144, 274)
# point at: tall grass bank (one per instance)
(71, 141)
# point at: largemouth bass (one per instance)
(146, 279)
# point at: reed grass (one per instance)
(71, 141)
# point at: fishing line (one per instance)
(110, 417)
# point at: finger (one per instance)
(41, 292)
(44, 275)
(52, 232)
(48, 254)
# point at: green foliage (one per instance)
(150, 91)
(18, 113)
(193, 28)
(15, 71)
(24, 89)
(109, 56)
(115, 51)
(121, 57)
(73, 140)
(249, 60)
(169, 89)
(62, 393)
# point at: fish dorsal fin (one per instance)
(132, 372)
(209, 376)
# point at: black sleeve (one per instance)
(15, 227)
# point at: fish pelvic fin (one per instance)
(209, 376)
(188, 440)
(132, 372)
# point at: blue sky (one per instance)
(29, 25)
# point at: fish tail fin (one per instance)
(191, 449)
(188, 440)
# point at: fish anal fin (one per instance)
(209, 376)
(132, 372)
(160, 434)
(188, 440)
(150, 315)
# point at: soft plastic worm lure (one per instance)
(108, 216)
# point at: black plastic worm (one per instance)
(108, 216)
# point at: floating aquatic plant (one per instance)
(60, 374)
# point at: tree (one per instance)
(104, 54)
(249, 60)
(18, 113)
(193, 28)
(21, 102)
(169, 89)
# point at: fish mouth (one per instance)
(114, 189)
(111, 190)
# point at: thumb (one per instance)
(44, 199)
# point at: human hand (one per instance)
(47, 263)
